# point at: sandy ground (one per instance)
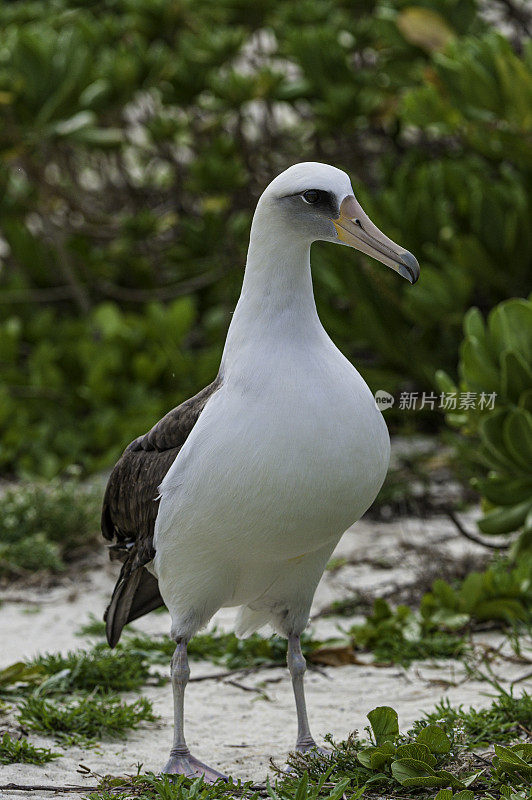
(237, 729)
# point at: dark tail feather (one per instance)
(136, 593)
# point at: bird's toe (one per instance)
(191, 767)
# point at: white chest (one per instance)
(290, 462)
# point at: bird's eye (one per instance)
(311, 196)
(358, 222)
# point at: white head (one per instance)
(317, 202)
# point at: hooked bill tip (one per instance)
(410, 266)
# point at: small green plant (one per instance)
(496, 360)
(502, 722)
(124, 669)
(389, 764)
(20, 751)
(501, 593)
(45, 526)
(96, 716)
(402, 636)
(120, 670)
(512, 761)
(415, 763)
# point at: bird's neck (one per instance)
(276, 309)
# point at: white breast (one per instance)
(279, 466)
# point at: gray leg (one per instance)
(297, 666)
(181, 762)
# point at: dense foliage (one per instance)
(135, 137)
(44, 526)
(496, 360)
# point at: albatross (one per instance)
(237, 497)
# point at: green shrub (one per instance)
(133, 147)
(45, 526)
(496, 362)
(100, 379)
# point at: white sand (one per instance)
(235, 730)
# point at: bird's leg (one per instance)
(297, 666)
(181, 762)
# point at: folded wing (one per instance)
(130, 508)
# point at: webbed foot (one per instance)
(181, 762)
(312, 749)
(310, 746)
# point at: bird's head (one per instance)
(317, 202)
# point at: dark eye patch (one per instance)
(322, 201)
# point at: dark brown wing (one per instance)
(130, 507)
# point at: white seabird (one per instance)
(261, 473)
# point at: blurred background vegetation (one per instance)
(135, 139)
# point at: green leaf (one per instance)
(417, 751)
(339, 790)
(384, 723)
(525, 400)
(515, 759)
(508, 754)
(424, 28)
(434, 738)
(477, 366)
(504, 608)
(302, 788)
(72, 126)
(377, 757)
(504, 491)
(20, 672)
(517, 432)
(510, 328)
(474, 324)
(445, 594)
(444, 382)
(410, 772)
(505, 520)
(492, 436)
(516, 376)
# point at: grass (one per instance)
(84, 719)
(20, 751)
(123, 669)
(164, 787)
